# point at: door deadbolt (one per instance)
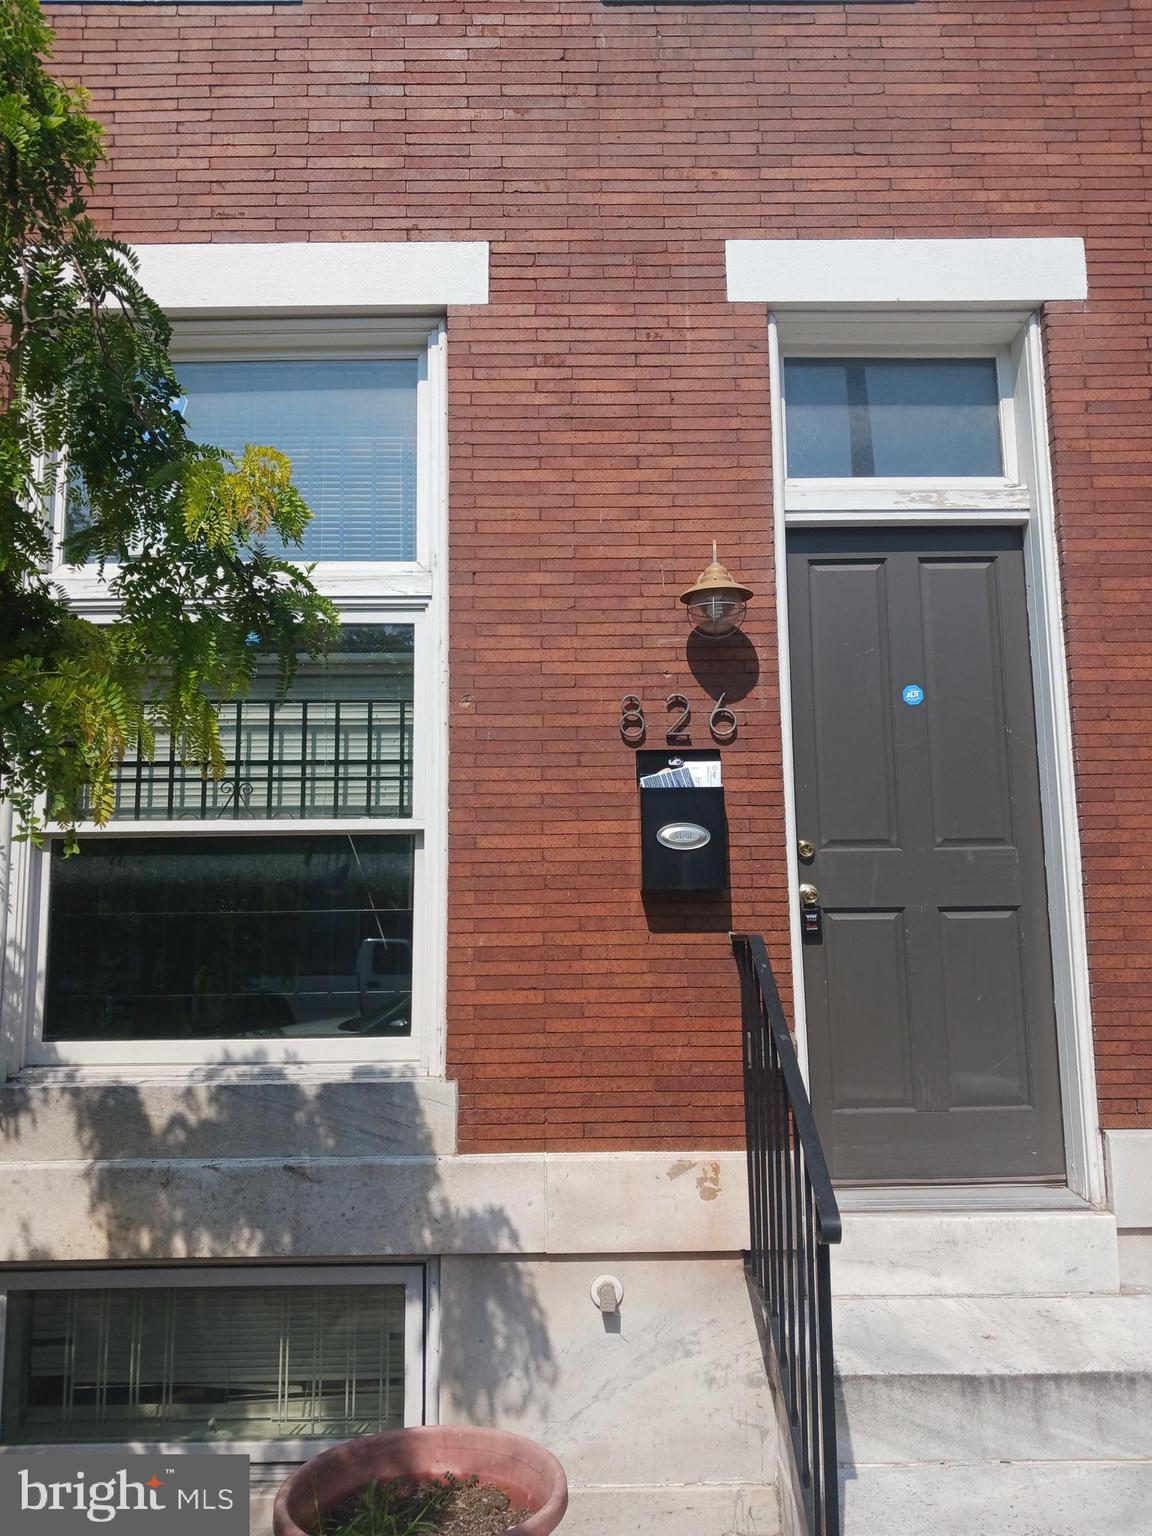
(805, 849)
(809, 896)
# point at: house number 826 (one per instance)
(634, 727)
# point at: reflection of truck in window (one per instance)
(384, 981)
(372, 997)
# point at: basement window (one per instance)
(272, 1364)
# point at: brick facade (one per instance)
(610, 415)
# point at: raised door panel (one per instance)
(856, 789)
(971, 786)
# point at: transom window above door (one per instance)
(865, 417)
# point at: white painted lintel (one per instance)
(338, 275)
(906, 272)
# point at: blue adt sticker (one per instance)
(913, 694)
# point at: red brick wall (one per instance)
(609, 415)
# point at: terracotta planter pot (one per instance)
(531, 1476)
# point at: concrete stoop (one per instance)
(729, 1509)
(1025, 1414)
(978, 1253)
(1030, 1498)
(1018, 1378)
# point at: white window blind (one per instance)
(349, 427)
(216, 1363)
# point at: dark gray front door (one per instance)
(928, 988)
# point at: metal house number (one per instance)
(634, 728)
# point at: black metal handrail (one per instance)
(795, 1219)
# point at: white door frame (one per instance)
(1034, 512)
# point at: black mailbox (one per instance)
(683, 829)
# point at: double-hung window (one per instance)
(288, 911)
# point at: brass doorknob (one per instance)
(809, 896)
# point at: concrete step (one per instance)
(977, 1253)
(721, 1509)
(968, 1379)
(1004, 1499)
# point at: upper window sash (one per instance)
(271, 341)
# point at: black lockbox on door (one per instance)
(683, 828)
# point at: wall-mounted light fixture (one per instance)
(717, 603)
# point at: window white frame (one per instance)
(365, 592)
(419, 1344)
(1014, 337)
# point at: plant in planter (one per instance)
(450, 1505)
(373, 1485)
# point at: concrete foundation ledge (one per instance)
(60, 1113)
(203, 1207)
(660, 1414)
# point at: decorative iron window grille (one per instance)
(287, 759)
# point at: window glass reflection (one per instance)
(866, 417)
(215, 1363)
(230, 938)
